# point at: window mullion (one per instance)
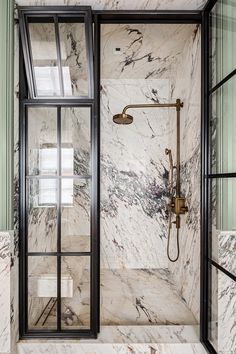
(59, 219)
(59, 63)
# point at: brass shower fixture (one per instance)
(177, 203)
(124, 118)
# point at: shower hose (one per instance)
(168, 240)
(171, 188)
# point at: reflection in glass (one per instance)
(223, 29)
(75, 289)
(42, 141)
(221, 323)
(75, 216)
(223, 194)
(223, 128)
(44, 55)
(74, 58)
(42, 215)
(75, 141)
(42, 292)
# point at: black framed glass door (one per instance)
(60, 234)
(59, 175)
(219, 179)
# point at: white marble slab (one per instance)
(226, 314)
(133, 176)
(224, 249)
(222, 326)
(150, 51)
(124, 4)
(56, 348)
(136, 152)
(148, 334)
(5, 298)
(187, 85)
(141, 297)
(135, 334)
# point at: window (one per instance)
(219, 179)
(48, 166)
(58, 53)
(59, 165)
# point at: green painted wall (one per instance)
(6, 113)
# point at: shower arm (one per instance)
(178, 105)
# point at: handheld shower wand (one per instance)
(177, 204)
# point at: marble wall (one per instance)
(5, 298)
(222, 329)
(134, 175)
(123, 4)
(186, 270)
(134, 171)
(8, 294)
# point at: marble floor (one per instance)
(142, 297)
(129, 297)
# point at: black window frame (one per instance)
(27, 99)
(206, 178)
(55, 12)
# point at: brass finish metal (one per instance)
(178, 105)
(177, 203)
(122, 118)
(150, 105)
(178, 207)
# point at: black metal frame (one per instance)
(26, 102)
(55, 13)
(94, 229)
(207, 176)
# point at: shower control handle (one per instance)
(172, 205)
(178, 206)
(184, 209)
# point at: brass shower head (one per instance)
(122, 118)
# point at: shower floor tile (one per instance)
(141, 297)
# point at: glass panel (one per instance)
(42, 141)
(75, 141)
(223, 27)
(74, 57)
(44, 57)
(75, 215)
(75, 292)
(42, 215)
(42, 292)
(223, 128)
(223, 195)
(221, 323)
